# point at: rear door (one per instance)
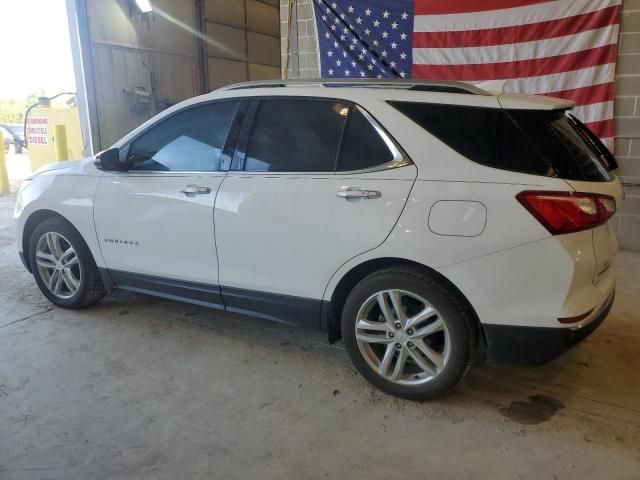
(314, 183)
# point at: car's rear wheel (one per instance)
(63, 266)
(408, 333)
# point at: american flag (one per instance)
(560, 48)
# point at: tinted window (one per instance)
(484, 135)
(191, 140)
(295, 136)
(561, 143)
(605, 154)
(363, 147)
(527, 141)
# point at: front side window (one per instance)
(295, 135)
(191, 140)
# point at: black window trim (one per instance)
(227, 149)
(400, 158)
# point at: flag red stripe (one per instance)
(442, 7)
(603, 92)
(603, 128)
(520, 33)
(520, 68)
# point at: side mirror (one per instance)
(109, 161)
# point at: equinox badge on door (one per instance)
(119, 241)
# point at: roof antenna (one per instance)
(495, 86)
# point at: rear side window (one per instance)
(527, 141)
(291, 135)
(363, 147)
(191, 140)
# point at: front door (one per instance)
(155, 221)
(317, 183)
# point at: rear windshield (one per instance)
(537, 142)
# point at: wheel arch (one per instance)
(35, 219)
(333, 310)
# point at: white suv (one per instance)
(422, 222)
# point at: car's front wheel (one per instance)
(63, 266)
(408, 333)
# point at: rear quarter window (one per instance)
(535, 142)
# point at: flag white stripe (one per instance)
(517, 51)
(509, 17)
(594, 112)
(557, 82)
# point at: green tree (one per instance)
(12, 109)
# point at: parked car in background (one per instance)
(7, 137)
(420, 221)
(17, 132)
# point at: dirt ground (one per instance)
(138, 387)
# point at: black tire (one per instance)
(90, 289)
(455, 312)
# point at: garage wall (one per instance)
(303, 44)
(181, 49)
(244, 40)
(627, 111)
(129, 49)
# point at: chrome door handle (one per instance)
(355, 192)
(195, 190)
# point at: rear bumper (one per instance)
(514, 345)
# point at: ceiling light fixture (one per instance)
(144, 5)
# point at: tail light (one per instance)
(566, 212)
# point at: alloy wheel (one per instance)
(58, 265)
(402, 337)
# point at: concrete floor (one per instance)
(138, 387)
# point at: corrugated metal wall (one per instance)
(122, 48)
(129, 49)
(244, 40)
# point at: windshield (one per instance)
(16, 129)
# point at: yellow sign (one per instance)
(37, 130)
(42, 124)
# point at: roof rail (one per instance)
(421, 85)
